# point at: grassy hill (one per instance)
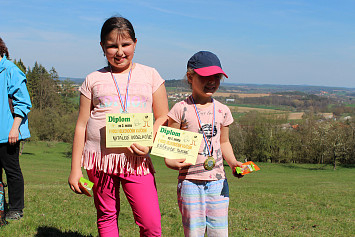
(278, 200)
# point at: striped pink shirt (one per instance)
(101, 89)
(184, 114)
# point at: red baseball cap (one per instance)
(205, 64)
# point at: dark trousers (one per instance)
(9, 161)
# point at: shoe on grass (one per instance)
(14, 215)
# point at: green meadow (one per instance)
(278, 200)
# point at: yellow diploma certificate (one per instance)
(123, 129)
(172, 143)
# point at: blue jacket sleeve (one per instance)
(18, 92)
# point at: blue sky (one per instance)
(291, 42)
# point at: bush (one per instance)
(50, 125)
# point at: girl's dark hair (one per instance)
(3, 49)
(122, 25)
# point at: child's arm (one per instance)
(175, 164)
(160, 110)
(227, 150)
(78, 143)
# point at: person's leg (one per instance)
(0, 168)
(217, 202)
(5, 207)
(142, 195)
(192, 205)
(107, 202)
(15, 183)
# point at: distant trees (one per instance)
(53, 115)
(263, 138)
(20, 65)
(259, 137)
(298, 102)
(255, 136)
(178, 84)
(43, 87)
(294, 102)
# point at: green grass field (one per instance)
(278, 200)
(262, 106)
(350, 105)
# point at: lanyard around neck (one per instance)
(199, 123)
(124, 104)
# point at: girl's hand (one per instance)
(14, 131)
(235, 165)
(73, 181)
(138, 150)
(238, 164)
(176, 164)
(13, 136)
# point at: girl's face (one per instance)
(119, 51)
(204, 87)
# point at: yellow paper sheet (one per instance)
(174, 143)
(123, 129)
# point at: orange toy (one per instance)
(247, 168)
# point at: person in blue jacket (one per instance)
(15, 104)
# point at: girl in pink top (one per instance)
(203, 195)
(122, 86)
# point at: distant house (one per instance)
(295, 126)
(328, 115)
(346, 118)
(286, 126)
(289, 126)
(230, 100)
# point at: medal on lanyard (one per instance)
(124, 104)
(210, 162)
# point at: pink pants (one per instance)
(141, 193)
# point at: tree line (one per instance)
(53, 114)
(255, 136)
(299, 101)
(269, 138)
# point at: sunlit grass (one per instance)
(278, 200)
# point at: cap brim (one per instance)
(208, 71)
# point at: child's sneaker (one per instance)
(14, 215)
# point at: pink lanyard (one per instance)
(123, 105)
(199, 123)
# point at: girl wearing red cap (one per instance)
(203, 194)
